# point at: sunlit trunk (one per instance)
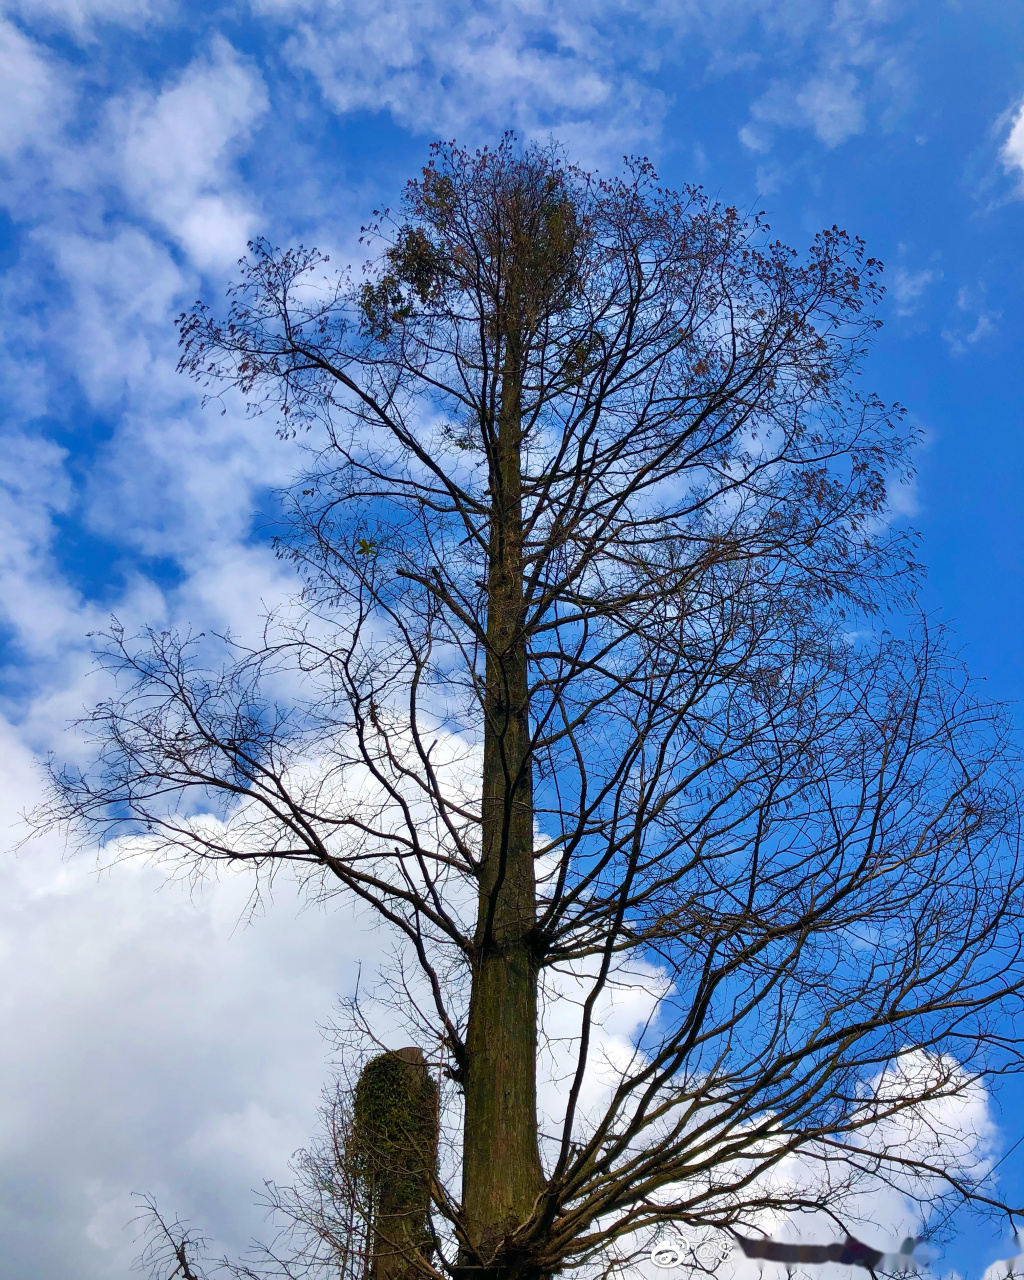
(502, 1170)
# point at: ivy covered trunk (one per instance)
(502, 1174)
(394, 1150)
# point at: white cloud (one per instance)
(80, 16)
(151, 1042)
(442, 67)
(908, 289)
(1012, 152)
(591, 71)
(114, 329)
(625, 1006)
(851, 68)
(755, 139)
(43, 618)
(34, 96)
(178, 151)
(880, 1210)
(902, 499)
(830, 104)
(833, 107)
(89, 309)
(171, 153)
(960, 339)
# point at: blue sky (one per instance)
(153, 1041)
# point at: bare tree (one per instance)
(171, 1249)
(585, 696)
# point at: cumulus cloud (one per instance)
(881, 1211)
(154, 1040)
(88, 307)
(832, 106)
(626, 1005)
(113, 328)
(44, 620)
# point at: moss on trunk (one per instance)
(394, 1153)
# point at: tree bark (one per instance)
(502, 1174)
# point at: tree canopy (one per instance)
(589, 691)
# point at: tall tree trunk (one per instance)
(502, 1174)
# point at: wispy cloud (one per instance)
(1012, 150)
(961, 338)
(830, 104)
(80, 17)
(438, 67)
(852, 67)
(908, 288)
(177, 149)
(34, 93)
